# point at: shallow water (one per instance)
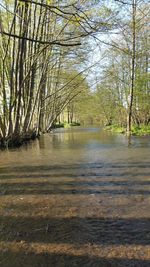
(76, 197)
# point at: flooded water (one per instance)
(76, 197)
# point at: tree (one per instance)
(37, 38)
(128, 61)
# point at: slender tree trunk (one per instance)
(131, 95)
(21, 69)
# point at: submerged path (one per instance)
(76, 198)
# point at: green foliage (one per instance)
(141, 130)
(75, 124)
(66, 124)
(58, 125)
(41, 85)
(115, 129)
(136, 130)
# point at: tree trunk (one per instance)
(131, 95)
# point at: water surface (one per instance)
(76, 197)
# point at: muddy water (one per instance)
(77, 197)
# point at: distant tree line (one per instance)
(122, 96)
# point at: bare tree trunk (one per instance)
(131, 95)
(21, 67)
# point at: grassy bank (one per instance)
(115, 129)
(141, 130)
(66, 125)
(136, 130)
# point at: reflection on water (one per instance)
(80, 145)
(76, 197)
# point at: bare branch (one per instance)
(41, 42)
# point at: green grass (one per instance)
(141, 130)
(136, 130)
(66, 125)
(115, 129)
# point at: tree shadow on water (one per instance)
(25, 259)
(71, 231)
(76, 230)
(75, 186)
(75, 166)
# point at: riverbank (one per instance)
(136, 130)
(18, 140)
(65, 125)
